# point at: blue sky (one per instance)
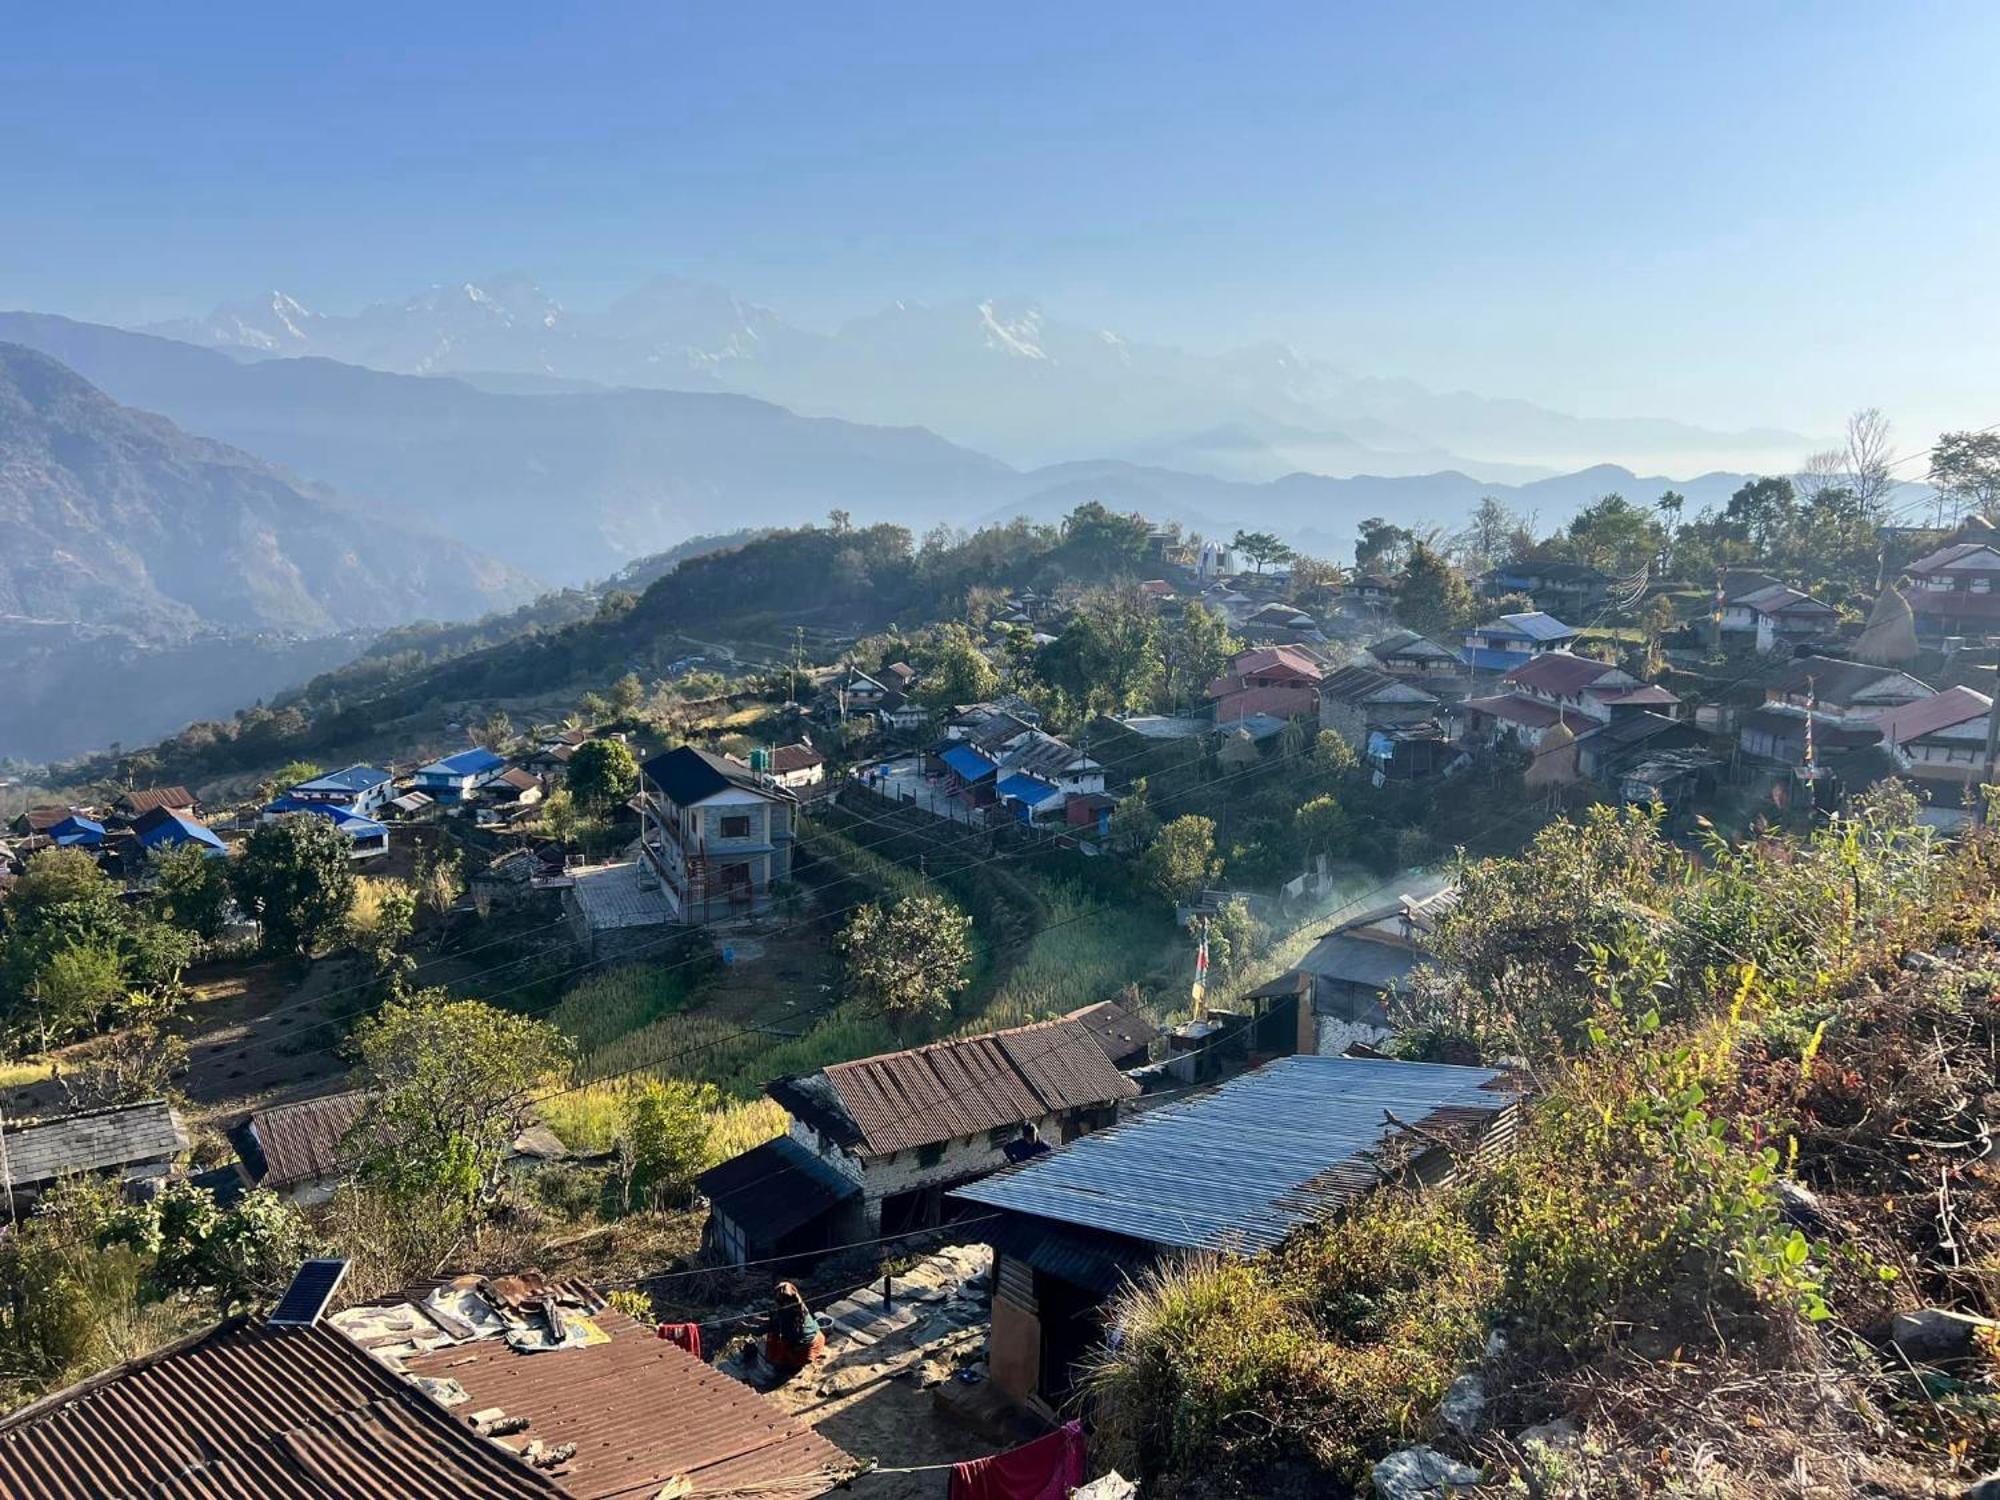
(1734, 214)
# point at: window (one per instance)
(736, 826)
(1982, 585)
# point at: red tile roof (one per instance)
(1281, 702)
(246, 1410)
(952, 1089)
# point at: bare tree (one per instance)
(1821, 471)
(1869, 457)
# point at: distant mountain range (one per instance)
(1001, 377)
(572, 483)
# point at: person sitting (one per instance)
(793, 1337)
(1026, 1146)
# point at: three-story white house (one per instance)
(717, 834)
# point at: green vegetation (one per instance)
(907, 962)
(296, 877)
(1697, 1032)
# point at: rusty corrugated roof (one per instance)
(938, 1093)
(641, 1411)
(249, 1412)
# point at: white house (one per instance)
(717, 834)
(457, 777)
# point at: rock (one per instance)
(1562, 1434)
(1984, 1489)
(1496, 1343)
(1799, 1205)
(1936, 1332)
(1421, 1474)
(1464, 1405)
(1920, 961)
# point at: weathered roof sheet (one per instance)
(352, 779)
(1833, 680)
(300, 1142)
(776, 1187)
(786, 759)
(1117, 1030)
(1533, 624)
(249, 1412)
(642, 1412)
(950, 1089)
(132, 804)
(94, 1141)
(1279, 701)
(1558, 672)
(1955, 705)
(1240, 1168)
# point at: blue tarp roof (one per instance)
(1240, 1168)
(175, 829)
(471, 762)
(1027, 789)
(968, 762)
(76, 829)
(353, 779)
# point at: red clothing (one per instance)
(687, 1335)
(1046, 1469)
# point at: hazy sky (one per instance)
(1735, 213)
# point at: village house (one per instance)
(367, 837)
(1561, 587)
(1354, 973)
(455, 778)
(1952, 592)
(1235, 1171)
(502, 1388)
(514, 790)
(549, 762)
(1282, 681)
(1502, 644)
(1413, 658)
(1369, 593)
(900, 1129)
(1279, 624)
(1357, 701)
(1126, 1036)
(76, 830)
(1596, 689)
(1940, 741)
(718, 835)
(134, 805)
(1778, 618)
(1844, 702)
(301, 1151)
(795, 767)
(134, 1143)
(901, 714)
(857, 692)
(360, 789)
(1607, 753)
(165, 828)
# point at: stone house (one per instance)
(718, 835)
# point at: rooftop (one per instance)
(353, 779)
(474, 762)
(619, 895)
(958, 1088)
(93, 1141)
(1117, 1030)
(1534, 625)
(1945, 710)
(135, 803)
(686, 776)
(1238, 1169)
(1559, 673)
(1833, 680)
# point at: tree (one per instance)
(1762, 510)
(379, 923)
(1196, 648)
(593, 709)
(452, 1083)
(1322, 826)
(1488, 536)
(959, 671)
(907, 961)
(1868, 453)
(1332, 755)
(559, 815)
(496, 731)
(296, 877)
(663, 1140)
(1261, 547)
(1433, 598)
(251, 1249)
(437, 876)
(1380, 545)
(1965, 468)
(1182, 858)
(290, 774)
(1132, 823)
(74, 986)
(193, 890)
(627, 693)
(1617, 536)
(602, 773)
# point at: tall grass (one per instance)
(1081, 955)
(606, 1007)
(588, 1120)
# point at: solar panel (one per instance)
(306, 1298)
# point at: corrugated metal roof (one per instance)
(1559, 672)
(301, 1142)
(248, 1412)
(967, 762)
(1028, 789)
(94, 1141)
(774, 1188)
(952, 1089)
(134, 803)
(474, 762)
(642, 1411)
(1534, 624)
(351, 779)
(1240, 1168)
(1119, 1031)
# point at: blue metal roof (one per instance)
(349, 822)
(77, 829)
(176, 829)
(353, 779)
(1240, 1168)
(1029, 789)
(968, 762)
(473, 762)
(1533, 625)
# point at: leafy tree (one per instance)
(296, 877)
(1261, 547)
(1433, 598)
(251, 1249)
(663, 1140)
(193, 890)
(437, 878)
(1182, 858)
(593, 709)
(1315, 582)
(907, 961)
(559, 815)
(1109, 656)
(157, 953)
(496, 731)
(1616, 536)
(452, 1083)
(602, 773)
(73, 986)
(1488, 538)
(1101, 544)
(1381, 545)
(1195, 649)
(1965, 468)
(1761, 510)
(1332, 755)
(627, 693)
(1133, 822)
(1322, 826)
(379, 923)
(290, 774)
(959, 671)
